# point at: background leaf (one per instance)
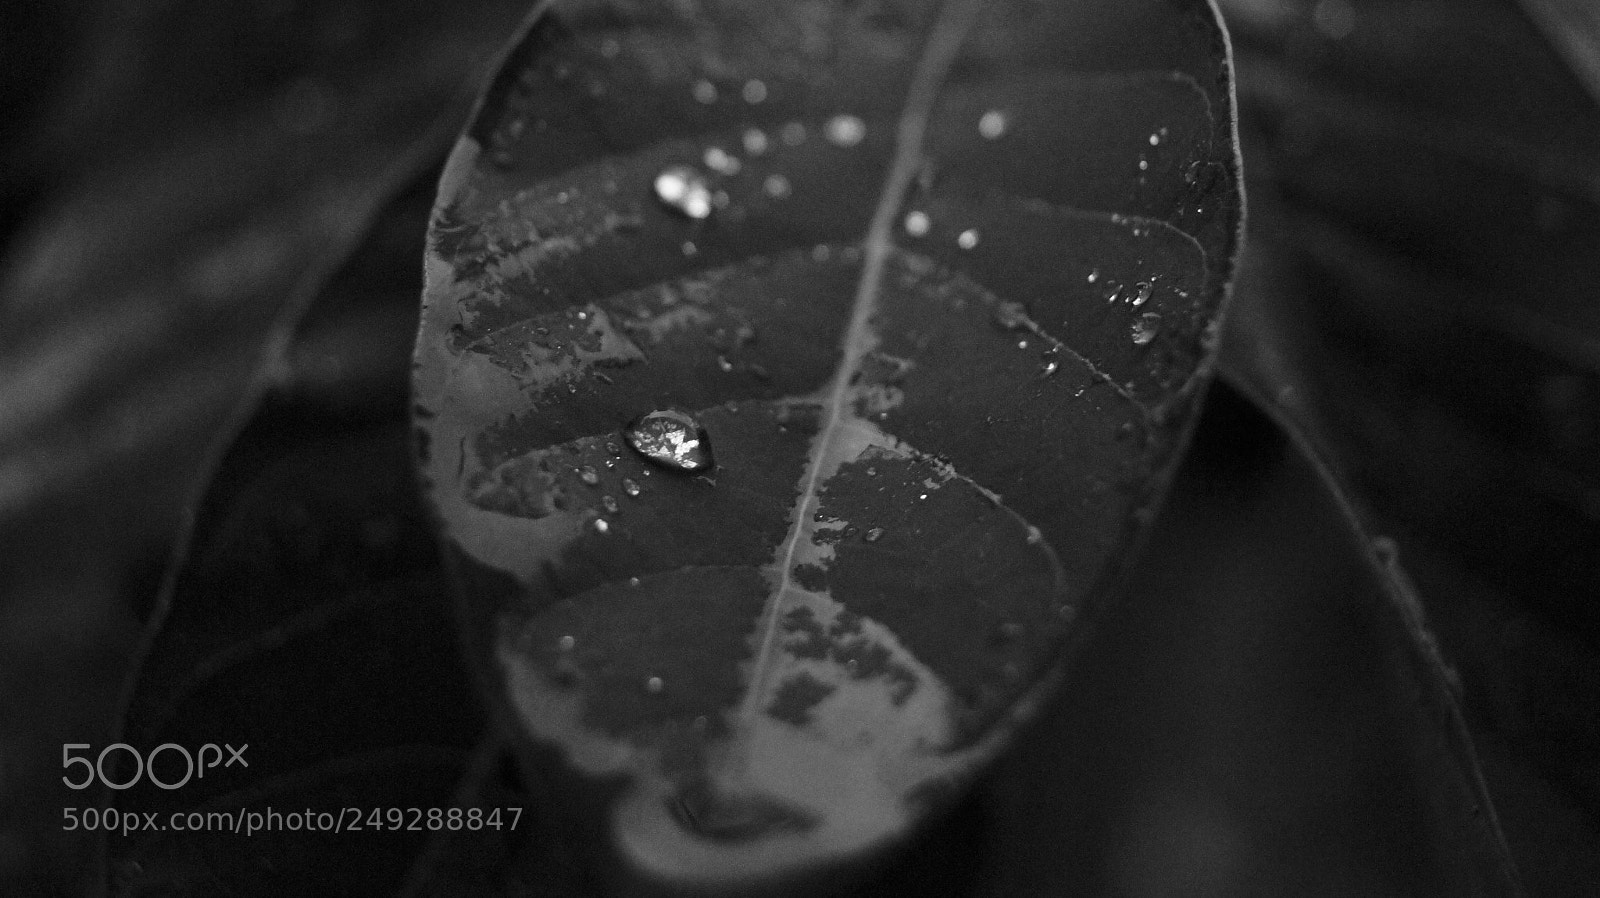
(934, 284)
(311, 621)
(1419, 293)
(188, 179)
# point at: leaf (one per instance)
(1256, 719)
(869, 250)
(1418, 297)
(189, 180)
(309, 623)
(1574, 28)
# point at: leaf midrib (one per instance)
(945, 38)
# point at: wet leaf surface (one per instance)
(934, 286)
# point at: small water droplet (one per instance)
(1144, 329)
(755, 141)
(684, 190)
(873, 535)
(705, 91)
(917, 223)
(1093, 276)
(723, 364)
(1049, 368)
(629, 487)
(793, 134)
(589, 475)
(671, 439)
(634, 582)
(654, 686)
(1011, 315)
(610, 47)
(1034, 536)
(845, 130)
(718, 160)
(777, 187)
(754, 91)
(968, 238)
(1142, 292)
(1022, 344)
(601, 526)
(992, 124)
(609, 503)
(689, 248)
(567, 643)
(1144, 165)
(1155, 140)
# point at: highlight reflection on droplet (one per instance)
(684, 190)
(671, 439)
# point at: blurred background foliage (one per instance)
(180, 182)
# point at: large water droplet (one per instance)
(992, 124)
(845, 130)
(1142, 292)
(967, 239)
(671, 439)
(917, 223)
(684, 190)
(1144, 329)
(602, 526)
